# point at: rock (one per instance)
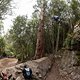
(18, 78)
(39, 68)
(40, 76)
(72, 73)
(62, 72)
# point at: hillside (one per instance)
(67, 62)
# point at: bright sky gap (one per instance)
(22, 7)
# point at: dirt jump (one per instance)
(8, 62)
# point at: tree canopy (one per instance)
(4, 7)
(22, 37)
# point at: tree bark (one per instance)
(40, 36)
(57, 41)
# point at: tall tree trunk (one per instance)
(40, 36)
(57, 41)
(53, 39)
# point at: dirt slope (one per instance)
(54, 73)
(7, 62)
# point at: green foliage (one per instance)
(21, 39)
(17, 34)
(2, 45)
(75, 5)
(1, 27)
(4, 7)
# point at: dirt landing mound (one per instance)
(8, 62)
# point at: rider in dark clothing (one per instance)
(56, 18)
(27, 73)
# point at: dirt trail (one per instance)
(54, 74)
(7, 62)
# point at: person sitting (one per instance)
(4, 76)
(27, 72)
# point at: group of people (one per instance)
(26, 71)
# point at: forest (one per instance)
(50, 30)
(21, 39)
